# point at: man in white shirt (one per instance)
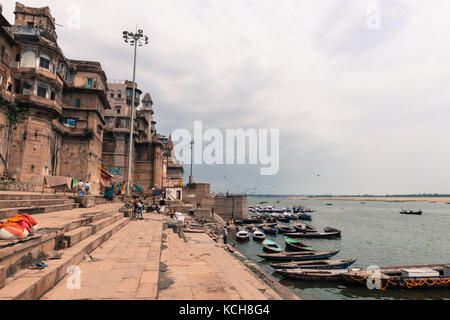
(80, 186)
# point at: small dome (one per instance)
(147, 99)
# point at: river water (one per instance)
(373, 232)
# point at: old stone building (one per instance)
(150, 157)
(40, 74)
(61, 117)
(84, 105)
(9, 49)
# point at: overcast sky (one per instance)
(366, 108)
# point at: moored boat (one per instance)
(403, 277)
(283, 218)
(283, 228)
(411, 212)
(243, 235)
(304, 227)
(295, 245)
(299, 256)
(311, 275)
(269, 230)
(271, 246)
(258, 235)
(315, 264)
(327, 234)
(304, 216)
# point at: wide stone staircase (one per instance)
(10, 204)
(63, 228)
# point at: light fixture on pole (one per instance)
(137, 38)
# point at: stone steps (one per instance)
(4, 204)
(32, 284)
(9, 212)
(32, 196)
(17, 254)
(74, 236)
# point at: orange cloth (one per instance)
(18, 223)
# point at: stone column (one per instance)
(157, 166)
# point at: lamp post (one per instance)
(134, 40)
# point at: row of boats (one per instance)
(272, 209)
(297, 230)
(300, 261)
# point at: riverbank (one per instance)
(386, 199)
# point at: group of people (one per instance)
(138, 205)
(83, 188)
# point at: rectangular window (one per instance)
(42, 92)
(9, 86)
(119, 96)
(89, 83)
(78, 103)
(44, 63)
(30, 24)
(112, 94)
(52, 95)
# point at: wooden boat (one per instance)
(315, 264)
(270, 230)
(295, 245)
(329, 204)
(258, 235)
(299, 256)
(271, 246)
(283, 218)
(403, 277)
(243, 235)
(304, 227)
(272, 219)
(304, 216)
(411, 212)
(327, 234)
(312, 275)
(254, 220)
(283, 228)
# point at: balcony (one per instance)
(54, 105)
(41, 74)
(26, 31)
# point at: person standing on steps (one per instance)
(225, 235)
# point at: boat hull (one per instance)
(299, 256)
(312, 275)
(316, 265)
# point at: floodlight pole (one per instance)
(136, 38)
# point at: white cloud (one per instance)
(368, 108)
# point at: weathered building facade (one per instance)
(151, 151)
(61, 117)
(84, 105)
(9, 49)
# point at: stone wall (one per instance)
(35, 149)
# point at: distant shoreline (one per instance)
(386, 199)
